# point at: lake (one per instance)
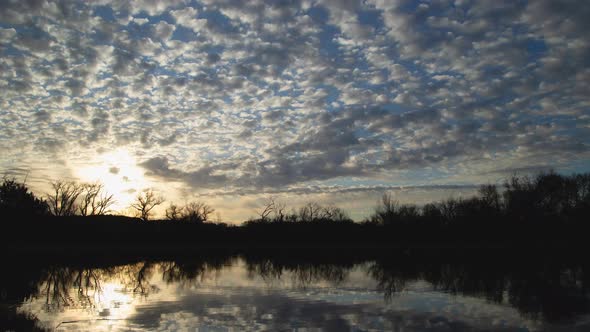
(407, 292)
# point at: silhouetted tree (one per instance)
(431, 211)
(15, 199)
(279, 211)
(551, 192)
(197, 212)
(274, 208)
(62, 201)
(274, 211)
(267, 209)
(336, 214)
(490, 196)
(310, 212)
(583, 187)
(449, 209)
(145, 202)
(94, 201)
(582, 193)
(548, 195)
(174, 212)
(386, 210)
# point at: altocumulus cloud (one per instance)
(260, 95)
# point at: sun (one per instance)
(118, 171)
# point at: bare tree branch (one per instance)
(267, 209)
(174, 212)
(94, 200)
(145, 202)
(62, 201)
(197, 212)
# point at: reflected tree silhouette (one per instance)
(538, 289)
(73, 287)
(192, 272)
(303, 274)
(136, 278)
(547, 287)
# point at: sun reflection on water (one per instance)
(173, 296)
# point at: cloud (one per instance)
(42, 116)
(150, 7)
(266, 94)
(334, 305)
(277, 312)
(163, 30)
(187, 17)
(203, 177)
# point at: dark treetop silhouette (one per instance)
(547, 209)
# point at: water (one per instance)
(256, 294)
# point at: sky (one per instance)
(335, 102)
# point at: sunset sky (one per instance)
(330, 101)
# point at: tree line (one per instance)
(545, 196)
(275, 211)
(71, 198)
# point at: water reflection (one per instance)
(258, 292)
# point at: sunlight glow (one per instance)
(114, 298)
(118, 172)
